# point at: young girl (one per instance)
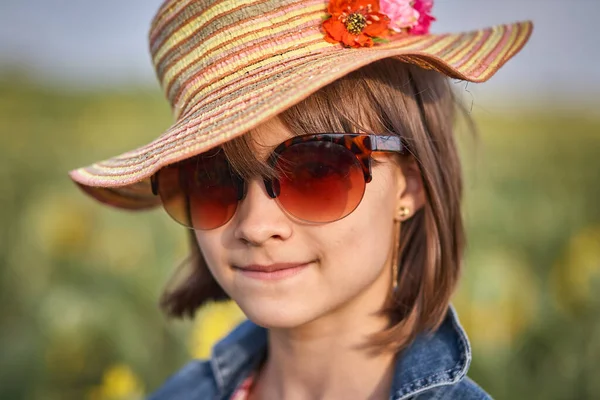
(314, 163)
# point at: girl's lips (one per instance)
(271, 272)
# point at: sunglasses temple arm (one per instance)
(387, 144)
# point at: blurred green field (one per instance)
(79, 283)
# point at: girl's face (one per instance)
(338, 267)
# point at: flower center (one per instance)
(355, 23)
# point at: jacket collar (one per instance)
(439, 358)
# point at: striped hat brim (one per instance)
(237, 102)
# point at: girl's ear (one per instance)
(411, 193)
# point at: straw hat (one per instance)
(227, 66)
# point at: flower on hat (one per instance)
(425, 18)
(412, 16)
(401, 12)
(359, 23)
(355, 23)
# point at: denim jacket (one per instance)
(433, 367)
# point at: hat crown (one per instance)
(200, 46)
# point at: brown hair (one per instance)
(390, 97)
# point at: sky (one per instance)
(86, 43)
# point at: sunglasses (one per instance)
(320, 178)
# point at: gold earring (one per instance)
(404, 212)
(395, 254)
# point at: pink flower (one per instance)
(401, 13)
(423, 8)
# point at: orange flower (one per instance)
(355, 22)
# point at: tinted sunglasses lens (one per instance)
(201, 193)
(319, 181)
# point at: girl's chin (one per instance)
(277, 316)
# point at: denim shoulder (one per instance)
(465, 389)
(194, 381)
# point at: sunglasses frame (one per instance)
(362, 146)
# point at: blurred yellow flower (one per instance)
(574, 273)
(212, 323)
(118, 383)
(60, 224)
(498, 299)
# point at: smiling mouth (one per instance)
(272, 271)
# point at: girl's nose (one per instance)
(259, 218)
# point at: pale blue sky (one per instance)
(104, 42)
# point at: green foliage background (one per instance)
(79, 283)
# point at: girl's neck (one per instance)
(326, 358)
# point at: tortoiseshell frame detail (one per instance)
(361, 145)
